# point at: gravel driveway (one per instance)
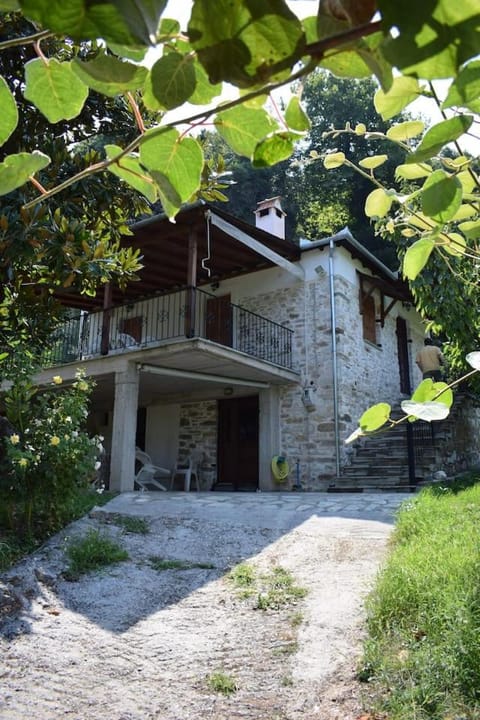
(136, 641)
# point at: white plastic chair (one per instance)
(187, 470)
(148, 472)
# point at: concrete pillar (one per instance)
(269, 436)
(122, 465)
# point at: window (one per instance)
(367, 309)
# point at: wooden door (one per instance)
(403, 356)
(237, 454)
(219, 320)
(132, 326)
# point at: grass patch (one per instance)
(296, 619)
(131, 524)
(222, 683)
(160, 564)
(422, 656)
(272, 590)
(287, 648)
(91, 552)
(279, 589)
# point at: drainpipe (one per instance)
(333, 321)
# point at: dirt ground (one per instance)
(134, 643)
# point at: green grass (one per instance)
(278, 589)
(160, 564)
(91, 552)
(273, 590)
(133, 525)
(222, 683)
(422, 656)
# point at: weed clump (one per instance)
(91, 552)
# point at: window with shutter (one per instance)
(368, 319)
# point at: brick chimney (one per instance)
(270, 217)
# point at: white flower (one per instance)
(74, 433)
(68, 419)
(97, 465)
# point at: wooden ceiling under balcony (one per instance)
(175, 255)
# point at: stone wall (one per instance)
(198, 430)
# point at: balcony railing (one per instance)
(187, 313)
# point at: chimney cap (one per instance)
(274, 202)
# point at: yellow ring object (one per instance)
(280, 468)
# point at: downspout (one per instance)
(333, 321)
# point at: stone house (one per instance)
(237, 345)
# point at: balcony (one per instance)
(148, 323)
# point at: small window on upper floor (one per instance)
(367, 310)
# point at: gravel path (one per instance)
(135, 643)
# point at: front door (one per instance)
(403, 357)
(238, 444)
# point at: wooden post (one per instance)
(191, 284)
(107, 310)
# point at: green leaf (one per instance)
(465, 89)
(176, 165)
(275, 148)
(333, 160)
(432, 39)
(243, 128)
(142, 17)
(453, 243)
(430, 390)
(376, 416)
(81, 20)
(204, 91)
(110, 75)
(441, 196)
(440, 135)
(473, 360)
(128, 51)
(246, 42)
(16, 169)
(464, 211)
(172, 80)
(372, 162)
(378, 203)
(428, 411)
(54, 89)
(295, 116)
(405, 130)
(402, 92)
(471, 229)
(416, 257)
(414, 171)
(128, 168)
(9, 5)
(9, 113)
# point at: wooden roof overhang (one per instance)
(204, 245)
(394, 290)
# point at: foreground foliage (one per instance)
(423, 653)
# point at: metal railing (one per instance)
(187, 313)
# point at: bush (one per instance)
(423, 655)
(48, 457)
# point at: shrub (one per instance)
(49, 456)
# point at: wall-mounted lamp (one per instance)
(228, 391)
(308, 396)
(215, 285)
